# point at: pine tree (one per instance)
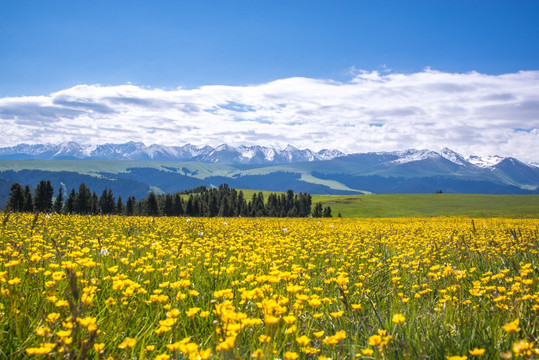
(168, 209)
(28, 200)
(317, 211)
(107, 202)
(327, 211)
(94, 204)
(119, 206)
(83, 204)
(16, 198)
(189, 209)
(151, 207)
(130, 206)
(71, 202)
(59, 201)
(178, 205)
(43, 196)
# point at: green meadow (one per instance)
(393, 205)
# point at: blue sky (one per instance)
(47, 46)
(55, 49)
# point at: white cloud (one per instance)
(471, 113)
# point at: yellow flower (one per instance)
(524, 348)
(42, 331)
(99, 346)
(477, 352)
(63, 333)
(257, 354)
(456, 357)
(303, 340)
(14, 281)
(398, 318)
(319, 334)
(88, 322)
(292, 329)
(367, 352)
(162, 357)
(333, 340)
(264, 338)
(289, 355)
(52, 317)
(42, 350)
(375, 340)
(204, 354)
(127, 343)
(192, 311)
(337, 314)
(173, 313)
(512, 327)
(290, 319)
(61, 303)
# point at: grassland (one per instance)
(393, 205)
(420, 205)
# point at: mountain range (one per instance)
(135, 169)
(138, 151)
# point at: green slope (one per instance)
(393, 205)
(94, 167)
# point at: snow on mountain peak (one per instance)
(485, 161)
(412, 155)
(255, 154)
(453, 156)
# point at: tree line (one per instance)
(200, 201)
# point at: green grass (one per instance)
(421, 205)
(392, 205)
(94, 167)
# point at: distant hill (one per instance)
(325, 172)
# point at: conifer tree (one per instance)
(168, 209)
(16, 198)
(178, 205)
(28, 199)
(83, 204)
(151, 207)
(43, 196)
(59, 201)
(119, 206)
(130, 206)
(71, 202)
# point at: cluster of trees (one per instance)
(222, 201)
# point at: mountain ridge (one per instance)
(134, 165)
(225, 154)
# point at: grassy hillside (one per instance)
(415, 205)
(390, 205)
(95, 167)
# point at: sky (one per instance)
(356, 75)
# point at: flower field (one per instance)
(113, 287)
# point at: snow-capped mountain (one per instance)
(327, 171)
(226, 154)
(454, 157)
(412, 155)
(223, 154)
(486, 161)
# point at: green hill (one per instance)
(393, 205)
